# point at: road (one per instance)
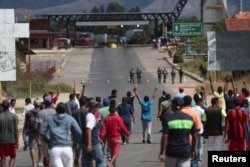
(96, 66)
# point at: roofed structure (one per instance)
(238, 22)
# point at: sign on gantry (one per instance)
(9, 31)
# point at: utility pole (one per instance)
(28, 21)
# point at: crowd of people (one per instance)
(86, 130)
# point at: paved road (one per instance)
(101, 64)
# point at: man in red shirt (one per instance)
(112, 127)
(235, 132)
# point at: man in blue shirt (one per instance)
(146, 114)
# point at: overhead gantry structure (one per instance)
(169, 17)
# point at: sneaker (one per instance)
(199, 164)
(34, 165)
(39, 164)
(143, 141)
(25, 147)
(148, 141)
(123, 143)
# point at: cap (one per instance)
(37, 102)
(93, 103)
(181, 88)
(178, 102)
(164, 92)
(106, 101)
(47, 100)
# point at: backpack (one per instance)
(34, 122)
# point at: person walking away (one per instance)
(180, 75)
(199, 149)
(104, 113)
(9, 135)
(164, 111)
(62, 129)
(214, 122)
(165, 75)
(112, 127)
(71, 104)
(138, 74)
(92, 149)
(176, 137)
(126, 112)
(43, 116)
(181, 93)
(130, 100)
(235, 133)
(219, 94)
(173, 74)
(131, 75)
(28, 106)
(146, 114)
(32, 125)
(159, 74)
(78, 114)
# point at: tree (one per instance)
(219, 26)
(95, 10)
(115, 7)
(102, 10)
(200, 44)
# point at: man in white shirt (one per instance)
(12, 106)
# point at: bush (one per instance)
(178, 58)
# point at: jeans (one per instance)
(128, 126)
(105, 149)
(146, 129)
(199, 152)
(96, 154)
(25, 138)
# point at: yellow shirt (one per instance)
(222, 103)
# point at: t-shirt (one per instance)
(8, 121)
(27, 108)
(221, 103)
(90, 121)
(200, 111)
(146, 110)
(236, 119)
(104, 113)
(45, 113)
(179, 127)
(125, 112)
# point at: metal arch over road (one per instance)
(74, 17)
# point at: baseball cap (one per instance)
(37, 102)
(181, 88)
(93, 103)
(47, 100)
(178, 102)
(106, 101)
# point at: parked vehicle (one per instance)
(135, 36)
(84, 38)
(101, 39)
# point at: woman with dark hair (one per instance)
(61, 128)
(146, 114)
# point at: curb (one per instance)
(61, 66)
(185, 72)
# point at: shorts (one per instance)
(114, 145)
(237, 145)
(45, 149)
(33, 138)
(7, 149)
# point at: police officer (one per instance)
(131, 75)
(138, 74)
(173, 74)
(159, 73)
(165, 75)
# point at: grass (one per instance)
(39, 85)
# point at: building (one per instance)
(40, 34)
(238, 22)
